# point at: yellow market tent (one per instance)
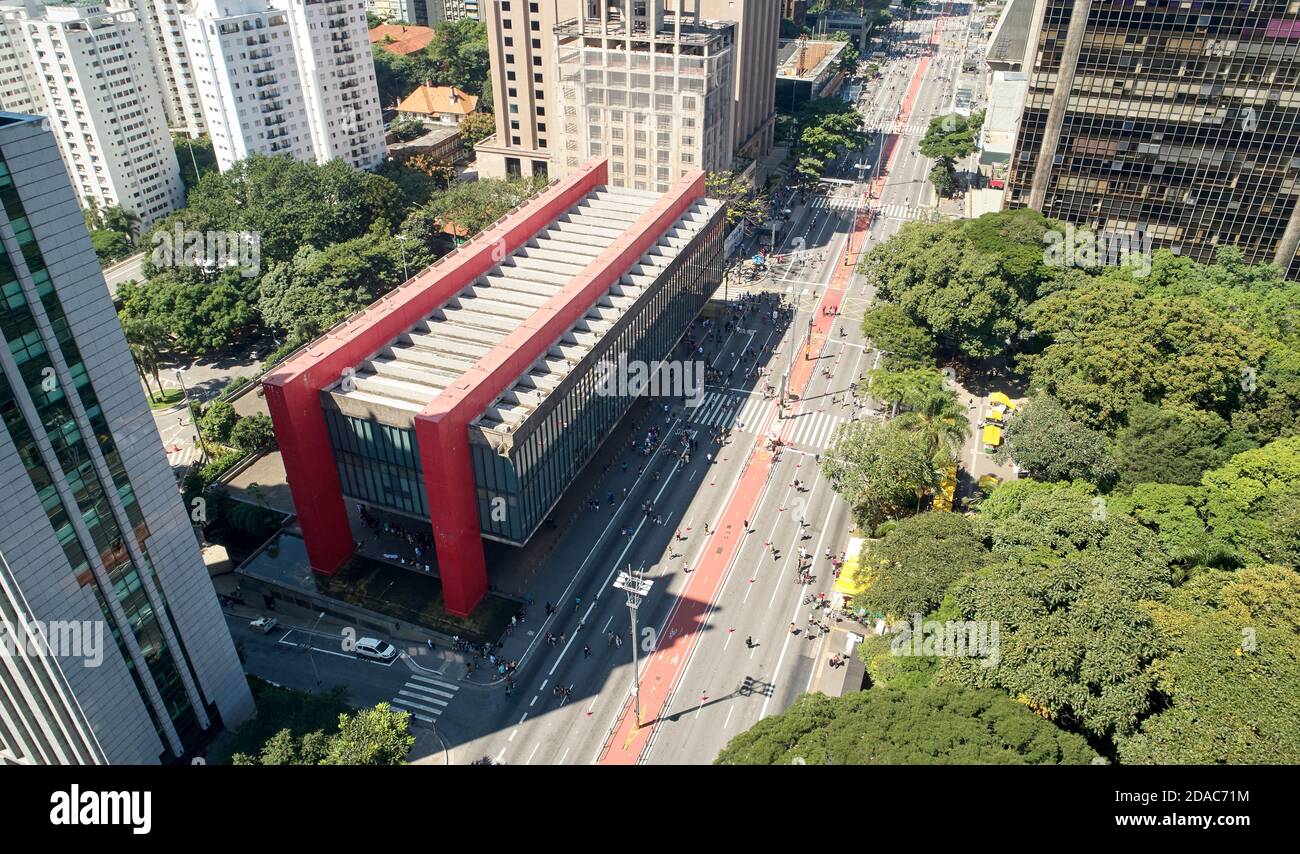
(854, 578)
(998, 398)
(994, 415)
(992, 436)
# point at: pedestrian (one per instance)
(550, 609)
(586, 651)
(749, 642)
(561, 639)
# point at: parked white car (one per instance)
(263, 624)
(376, 649)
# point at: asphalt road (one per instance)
(723, 685)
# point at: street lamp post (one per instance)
(311, 649)
(189, 407)
(401, 241)
(637, 588)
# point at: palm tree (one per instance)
(940, 419)
(147, 340)
(118, 218)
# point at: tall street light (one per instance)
(189, 407)
(401, 241)
(637, 588)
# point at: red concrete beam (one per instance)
(442, 428)
(293, 389)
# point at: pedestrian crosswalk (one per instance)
(899, 210)
(837, 203)
(424, 697)
(904, 211)
(812, 429)
(179, 456)
(725, 409)
(909, 129)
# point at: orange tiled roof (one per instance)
(405, 40)
(432, 100)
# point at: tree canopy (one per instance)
(926, 726)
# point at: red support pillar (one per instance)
(443, 438)
(309, 464)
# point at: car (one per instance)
(374, 648)
(263, 624)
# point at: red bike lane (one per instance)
(686, 623)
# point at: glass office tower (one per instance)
(92, 531)
(1177, 120)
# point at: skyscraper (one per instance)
(1177, 121)
(92, 72)
(289, 77)
(99, 556)
(546, 125)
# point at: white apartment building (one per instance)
(162, 19)
(286, 77)
(18, 90)
(423, 13)
(93, 68)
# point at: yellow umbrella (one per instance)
(998, 397)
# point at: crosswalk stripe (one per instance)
(422, 694)
(433, 691)
(411, 697)
(418, 717)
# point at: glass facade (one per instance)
(380, 465)
(377, 463)
(557, 440)
(1180, 120)
(44, 386)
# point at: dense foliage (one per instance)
(925, 726)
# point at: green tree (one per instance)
(191, 153)
(469, 207)
(742, 201)
(944, 178)
(201, 313)
(905, 343)
(809, 170)
(253, 433)
(458, 55)
(123, 221)
(1066, 588)
(880, 470)
(950, 137)
(917, 561)
(1112, 346)
(1229, 673)
(147, 341)
(109, 245)
(477, 127)
(969, 283)
(219, 419)
(375, 736)
(939, 419)
(926, 726)
(319, 287)
(1049, 445)
(1171, 445)
(897, 388)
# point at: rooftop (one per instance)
(434, 100)
(405, 375)
(805, 59)
(401, 39)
